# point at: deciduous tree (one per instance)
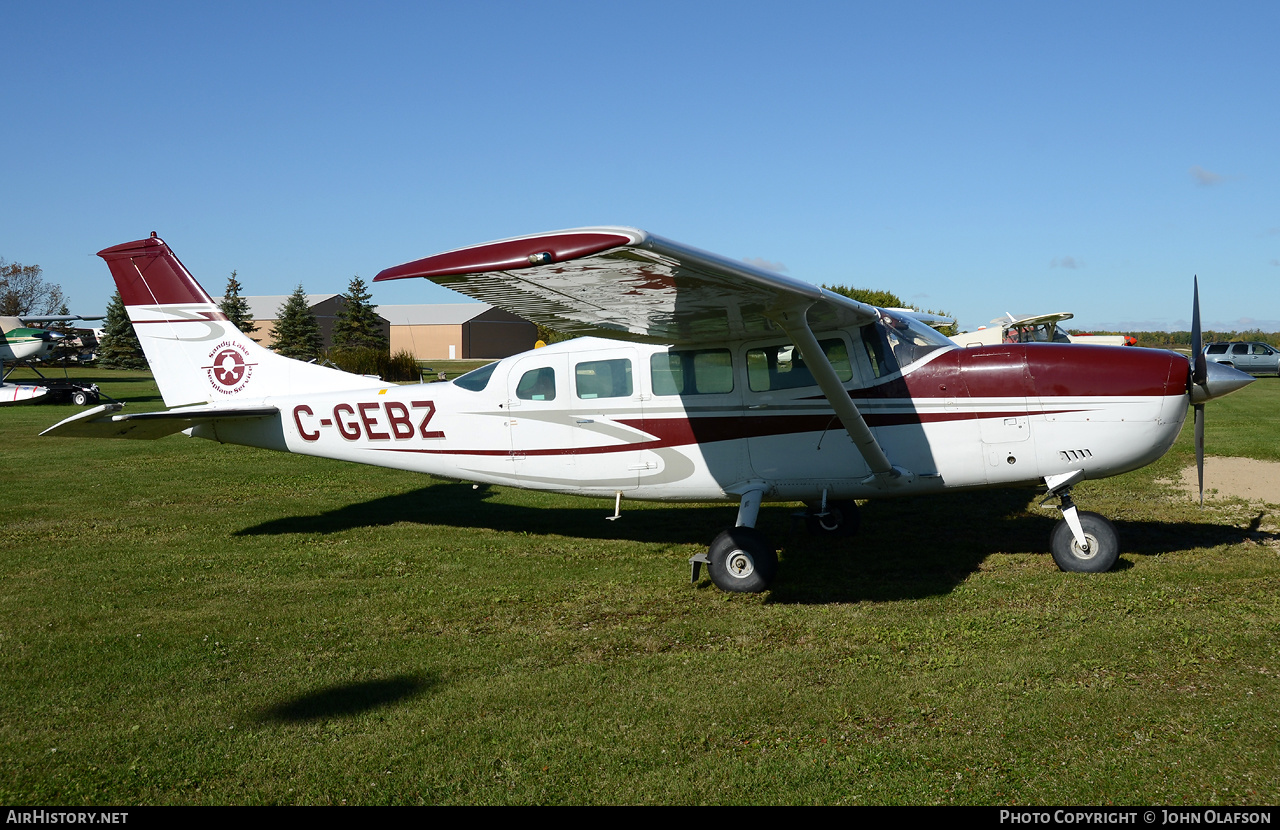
(23, 290)
(887, 299)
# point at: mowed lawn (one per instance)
(188, 623)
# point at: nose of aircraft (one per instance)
(1219, 380)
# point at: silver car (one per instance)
(1254, 358)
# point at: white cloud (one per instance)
(765, 263)
(1205, 178)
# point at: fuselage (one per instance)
(25, 343)
(599, 417)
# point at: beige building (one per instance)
(457, 331)
(264, 310)
(440, 331)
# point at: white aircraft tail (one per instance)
(197, 355)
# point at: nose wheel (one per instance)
(1099, 552)
(1081, 542)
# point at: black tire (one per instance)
(743, 561)
(843, 519)
(1104, 545)
(79, 397)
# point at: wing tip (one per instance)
(514, 254)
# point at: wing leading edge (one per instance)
(628, 284)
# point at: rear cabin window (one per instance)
(537, 385)
(603, 379)
(781, 367)
(1218, 348)
(692, 372)
(1240, 348)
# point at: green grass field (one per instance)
(186, 623)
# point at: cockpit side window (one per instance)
(877, 350)
(537, 385)
(782, 367)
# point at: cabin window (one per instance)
(477, 379)
(537, 385)
(781, 367)
(1240, 348)
(692, 372)
(603, 379)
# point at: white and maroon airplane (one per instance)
(719, 381)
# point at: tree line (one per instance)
(358, 338)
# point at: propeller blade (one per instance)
(1199, 370)
(1199, 410)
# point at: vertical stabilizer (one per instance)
(196, 354)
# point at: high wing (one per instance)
(105, 422)
(1032, 319)
(31, 319)
(628, 284)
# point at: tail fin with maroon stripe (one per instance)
(197, 355)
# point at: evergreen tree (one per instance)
(297, 330)
(357, 325)
(120, 348)
(236, 307)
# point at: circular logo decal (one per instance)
(228, 367)
(230, 371)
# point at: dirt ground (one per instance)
(1243, 478)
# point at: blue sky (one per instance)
(972, 157)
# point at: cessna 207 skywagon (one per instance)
(719, 381)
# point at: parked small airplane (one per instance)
(721, 381)
(21, 340)
(1035, 328)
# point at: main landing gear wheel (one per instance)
(742, 560)
(842, 518)
(1103, 541)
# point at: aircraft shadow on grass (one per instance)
(907, 548)
(348, 699)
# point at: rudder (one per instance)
(195, 352)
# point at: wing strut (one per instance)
(795, 322)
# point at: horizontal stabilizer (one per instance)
(106, 422)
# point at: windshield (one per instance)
(477, 379)
(909, 339)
